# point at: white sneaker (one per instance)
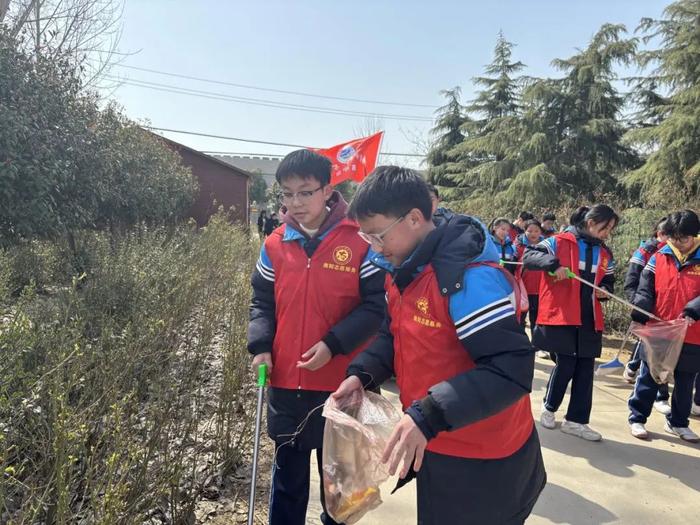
(638, 431)
(695, 410)
(663, 407)
(682, 432)
(629, 375)
(580, 430)
(548, 418)
(542, 354)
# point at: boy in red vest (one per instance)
(670, 288)
(463, 363)
(316, 300)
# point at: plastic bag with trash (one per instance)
(356, 433)
(663, 341)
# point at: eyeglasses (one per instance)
(301, 196)
(683, 239)
(377, 239)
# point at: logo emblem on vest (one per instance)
(422, 305)
(426, 319)
(342, 255)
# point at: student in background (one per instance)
(500, 233)
(549, 226)
(570, 317)
(531, 278)
(270, 224)
(261, 222)
(518, 226)
(669, 287)
(439, 212)
(639, 260)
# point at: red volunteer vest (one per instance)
(530, 278)
(560, 301)
(674, 289)
(311, 296)
(427, 352)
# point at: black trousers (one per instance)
(464, 491)
(289, 495)
(579, 372)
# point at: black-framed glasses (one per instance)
(301, 196)
(377, 239)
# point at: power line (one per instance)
(260, 102)
(273, 90)
(223, 137)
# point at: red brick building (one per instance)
(220, 184)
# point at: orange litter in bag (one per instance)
(663, 341)
(356, 432)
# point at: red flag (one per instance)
(354, 159)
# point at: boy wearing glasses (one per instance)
(463, 363)
(669, 287)
(316, 301)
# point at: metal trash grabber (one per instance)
(262, 381)
(572, 275)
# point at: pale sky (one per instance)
(382, 51)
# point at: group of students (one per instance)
(569, 331)
(345, 297)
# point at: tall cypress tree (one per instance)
(572, 126)
(486, 158)
(671, 139)
(447, 133)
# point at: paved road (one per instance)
(619, 480)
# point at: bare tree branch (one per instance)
(86, 31)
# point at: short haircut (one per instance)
(432, 189)
(549, 216)
(684, 223)
(526, 216)
(391, 191)
(533, 222)
(305, 164)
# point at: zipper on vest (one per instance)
(398, 333)
(303, 324)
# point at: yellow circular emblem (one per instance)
(342, 255)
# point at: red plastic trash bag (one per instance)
(355, 435)
(662, 341)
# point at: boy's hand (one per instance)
(406, 443)
(262, 359)
(315, 357)
(689, 320)
(601, 295)
(348, 387)
(561, 273)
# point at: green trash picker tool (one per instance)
(262, 381)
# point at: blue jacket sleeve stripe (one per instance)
(550, 244)
(483, 321)
(651, 265)
(264, 266)
(484, 299)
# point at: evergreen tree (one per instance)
(672, 138)
(447, 133)
(487, 157)
(572, 128)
